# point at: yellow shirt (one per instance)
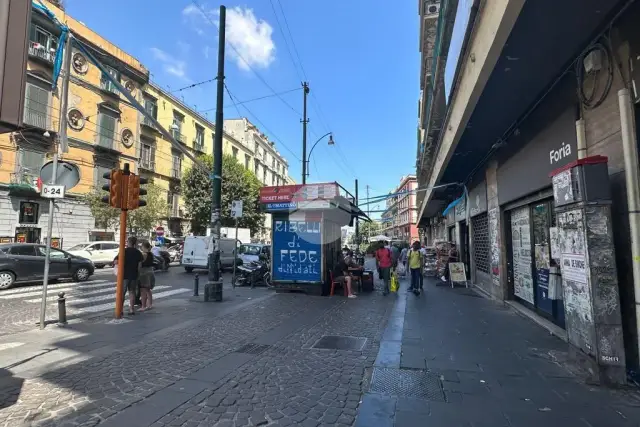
(415, 259)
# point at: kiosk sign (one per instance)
(297, 251)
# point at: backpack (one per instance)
(385, 257)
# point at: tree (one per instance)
(140, 221)
(104, 215)
(238, 183)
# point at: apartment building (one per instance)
(102, 132)
(259, 155)
(399, 220)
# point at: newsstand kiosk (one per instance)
(306, 233)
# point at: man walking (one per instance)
(415, 266)
(132, 264)
(384, 258)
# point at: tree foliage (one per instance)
(140, 220)
(238, 183)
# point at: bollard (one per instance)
(62, 309)
(196, 283)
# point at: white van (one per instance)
(196, 253)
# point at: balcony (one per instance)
(108, 86)
(35, 118)
(148, 123)
(146, 164)
(40, 51)
(176, 173)
(24, 182)
(198, 145)
(178, 136)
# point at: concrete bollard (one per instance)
(62, 309)
(196, 285)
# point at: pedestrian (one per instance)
(403, 257)
(341, 275)
(415, 266)
(132, 265)
(147, 277)
(384, 258)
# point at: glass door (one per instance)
(541, 213)
(521, 255)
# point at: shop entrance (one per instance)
(530, 262)
(27, 235)
(464, 249)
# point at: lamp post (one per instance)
(308, 159)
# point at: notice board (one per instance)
(297, 251)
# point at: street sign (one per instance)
(282, 206)
(52, 191)
(236, 209)
(67, 174)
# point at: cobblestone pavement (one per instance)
(292, 383)
(91, 391)
(20, 306)
(487, 367)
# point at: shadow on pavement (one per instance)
(10, 388)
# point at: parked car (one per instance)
(196, 253)
(24, 262)
(251, 252)
(101, 253)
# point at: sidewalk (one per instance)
(453, 358)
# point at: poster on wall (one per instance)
(494, 242)
(554, 237)
(521, 246)
(457, 272)
(297, 251)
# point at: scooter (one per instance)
(256, 272)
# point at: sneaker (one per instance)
(352, 296)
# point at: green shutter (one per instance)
(107, 130)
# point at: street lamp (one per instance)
(330, 142)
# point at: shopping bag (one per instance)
(115, 269)
(401, 269)
(394, 282)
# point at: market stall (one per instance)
(306, 233)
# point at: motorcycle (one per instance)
(175, 253)
(254, 273)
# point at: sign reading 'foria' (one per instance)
(556, 155)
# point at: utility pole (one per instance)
(368, 213)
(357, 222)
(213, 288)
(62, 135)
(305, 120)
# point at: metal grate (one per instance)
(481, 249)
(418, 384)
(337, 342)
(252, 349)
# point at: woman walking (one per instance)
(147, 278)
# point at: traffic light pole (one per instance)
(124, 188)
(213, 288)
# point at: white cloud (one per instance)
(250, 36)
(171, 65)
(205, 52)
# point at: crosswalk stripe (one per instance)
(54, 288)
(80, 296)
(111, 305)
(74, 302)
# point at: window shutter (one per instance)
(107, 130)
(27, 104)
(152, 158)
(154, 111)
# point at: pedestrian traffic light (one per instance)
(135, 192)
(114, 187)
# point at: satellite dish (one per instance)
(68, 174)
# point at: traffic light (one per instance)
(114, 199)
(135, 192)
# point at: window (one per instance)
(257, 168)
(151, 107)
(256, 148)
(234, 150)
(172, 202)
(100, 180)
(106, 128)
(30, 164)
(176, 167)
(42, 43)
(198, 143)
(264, 175)
(107, 84)
(147, 156)
(273, 162)
(273, 178)
(247, 159)
(29, 213)
(53, 253)
(26, 250)
(481, 247)
(176, 126)
(36, 106)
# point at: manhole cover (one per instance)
(410, 383)
(252, 349)
(336, 342)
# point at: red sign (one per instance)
(298, 193)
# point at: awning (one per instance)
(452, 205)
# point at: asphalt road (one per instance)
(20, 306)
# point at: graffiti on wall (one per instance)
(494, 243)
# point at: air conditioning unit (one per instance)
(431, 10)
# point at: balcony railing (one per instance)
(35, 118)
(40, 51)
(148, 123)
(176, 173)
(149, 165)
(178, 136)
(198, 145)
(107, 85)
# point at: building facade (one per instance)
(488, 156)
(400, 218)
(259, 155)
(102, 133)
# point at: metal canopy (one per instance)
(546, 38)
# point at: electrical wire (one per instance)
(286, 43)
(589, 100)
(255, 99)
(194, 85)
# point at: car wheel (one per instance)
(188, 269)
(100, 265)
(81, 274)
(6, 279)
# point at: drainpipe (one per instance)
(582, 139)
(630, 150)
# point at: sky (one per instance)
(360, 57)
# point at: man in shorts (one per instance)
(341, 275)
(384, 259)
(132, 264)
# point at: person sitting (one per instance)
(341, 275)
